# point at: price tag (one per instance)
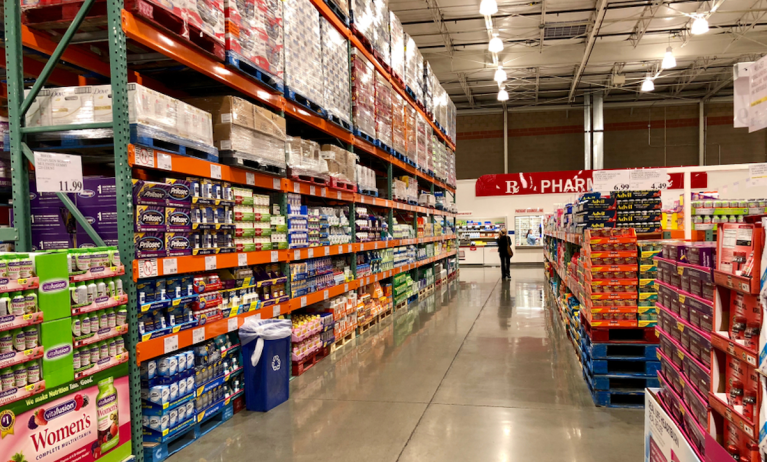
(340, 249)
(276, 311)
(198, 335)
(349, 249)
(312, 190)
(257, 316)
(297, 188)
(275, 256)
(323, 192)
(250, 179)
(210, 263)
(338, 194)
(232, 324)
(275, 183)
(242, 259)
(164, 161)
(311, 253)
(367, 280)
(327, 250)
(147, 268)
(376, 244)
(362, 199)
(58, 172)
(171, 343)
(169, 266)
(215, 171)
(303, 302)
(296, 255)
(143, 157)
(649, 178)
(346, 287)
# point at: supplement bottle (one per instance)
(108, 418)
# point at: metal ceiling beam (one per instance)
(542, 26)
(537, 82)
(599, 16)
(436, 14)
(617, 69)
(725, 77)
(648, 14)
(691, 73)
(466, 89)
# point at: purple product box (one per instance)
(698, 376)
(108, 232)
(685, 339)
(700, 311)
(150, 193)
(675, 250)
(178, 244)
(149, 218)
(150, 245)
(50, 241)
(700, 282)
(178, 219)
(697, 405)
(672, 373)
(52, 220)
(693, 430)
(179, 193)
(666, 345)
(700, 347)
(665, 320)
(98, 192)
(702, 254)
(101, 217)
(38, 200)
(666, 295)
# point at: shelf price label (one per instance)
(242, 259)
(326, 294)
(147, 268)
(274, 256)
(297, 188)
(232, 324)
(312, 190)
(215, 171)
(198, 335)
(611, 180)
(303, 302)
(275, 183)
(171, 344)
(338, 194)
(296, 255)
(210, 263)
(250, 179)
(649, 178)
(327, 250)
(310, 252)
(58, 172)
(275, 311)
(169, 266)
(143, 157)
(323, 192)
(164, 161)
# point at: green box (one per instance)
(53, 295)
(56, 338)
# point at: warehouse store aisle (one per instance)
(479, 371)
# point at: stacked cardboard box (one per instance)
(335, 72)
(423, 143)
(363, 94)
(245, 131)
(341, 164)
(304, 158)
(254, 33)
(303, 50)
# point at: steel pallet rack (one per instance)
(70, 64)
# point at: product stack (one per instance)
(363, 95)
(305, 340)
(366, 181)
(317, 274)
(255, 35)
(383, 111)
(370, 226)
(399, 125)
(647, 312)
(303, 53)
(328, 226)
(305, 160)
(371, 302)
(708, 212)
(343, 310)
(245, 134)
(423, 144)
(428, 89)
(335, 73)
(410, 134)
(402, 288)
(413, 69)
(397, 42)
(341, 165)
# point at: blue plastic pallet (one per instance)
(618, 383)
(158, 452)
(246, 67)
(410, 93)
(624, 351)
(338, 121)
(177, 146)
(384, 147)
(622, 367)
(367, 192)
(616, 399)
(305, 102)
(360, 134)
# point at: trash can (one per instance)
(266, 357)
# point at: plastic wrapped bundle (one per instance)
(245, 131)
(428, 91)
(423, 142)
(450, 167)
(342, 5)
(341, 163)
(383, 110)
(362, 13)
(450, 120)
(363, 94)
(335, 70)
(303, 51)
(380, 31)
(397, 42)
(398, 131)
(410, 133)
(366, 178)
(254, 33)
(304, 158)
(205, 16)
(413, 68)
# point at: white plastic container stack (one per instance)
(254, 33)
(303, 50)
(413, 68)
(397, 42)
(335, 69)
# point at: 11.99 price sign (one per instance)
(58, 172)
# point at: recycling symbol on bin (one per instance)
(276, 363)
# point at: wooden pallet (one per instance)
(318, 181)
(342, 185)
(340, 343)
(365, 327)
(299, 367)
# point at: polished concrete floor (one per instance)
(481, 371)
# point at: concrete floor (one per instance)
(481, 371)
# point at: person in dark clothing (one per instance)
(504, 250)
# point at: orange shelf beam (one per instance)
(151, 267)
(325, 251)
(316, 297)
(299, 187)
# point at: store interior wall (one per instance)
(634, 137)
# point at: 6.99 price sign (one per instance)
(58, 172)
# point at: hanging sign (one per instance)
(58, 172)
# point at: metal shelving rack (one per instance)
(122, 25)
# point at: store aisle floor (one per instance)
(478, 372)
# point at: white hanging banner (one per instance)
(650, 178)
(757, 173)
(757, 111)
(58, 172)
(611, 180)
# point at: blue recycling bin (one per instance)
(267, 383)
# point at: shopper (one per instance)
(504, 250)
(530, 238)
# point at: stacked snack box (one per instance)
(647, 313)
(335, 72)
(363, 94)
(399, 124)
(397, 47)
(303, 51)
(254, 33)
(383, 110)
(640, 210)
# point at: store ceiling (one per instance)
(546, 45)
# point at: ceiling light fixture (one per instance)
(500, 75)
(648, 84)
(503, 95)
(669, 62)
(488, 7)
(699, 26)
(495, 45)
